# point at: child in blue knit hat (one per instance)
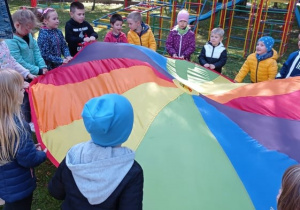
(262, 64)
(100, 173)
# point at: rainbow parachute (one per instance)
(203, 141)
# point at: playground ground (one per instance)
(42, 200)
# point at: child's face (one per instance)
(133, 25)
(117, 27)
(215, 39)
(52, 21)
(299, 41)
(182, 24)
(261, 48)
(23, 30)
(78, 15)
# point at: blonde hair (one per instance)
(135, 16)
(11, 83)
(218, 31)
(24, 17)
(289, 198)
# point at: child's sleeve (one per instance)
(44, 45)
(152, 42)
(38, 56)
(272, 70)
(243, 72)
(56, 186)
(222, 61)
(16, 53)
(191, 47)
(27, 155)
(129, 38)
(202, 57)
(132, 196)
(107, 38)
(170, 44)
(64, 48)
(91, 31)
(285, 68)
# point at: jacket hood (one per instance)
(97, 170)
(219, 45)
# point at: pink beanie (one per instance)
(183, 15)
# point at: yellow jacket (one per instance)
(259, 71)
(145, 38)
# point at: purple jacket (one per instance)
(181, 45)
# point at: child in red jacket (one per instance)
(116, 35)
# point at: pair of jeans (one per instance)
(6, 24)
(24, 204)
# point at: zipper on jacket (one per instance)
(141, 40)
(180, 43)
(256, 71)
(212, 51)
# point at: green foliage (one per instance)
(42, 200)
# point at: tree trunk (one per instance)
(94, 4)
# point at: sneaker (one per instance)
(32, 127)
(2, 202)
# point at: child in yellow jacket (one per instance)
(140, 33)
(262, 64)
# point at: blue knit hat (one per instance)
(108, 119)
(268, 42)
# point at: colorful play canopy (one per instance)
(203, 141)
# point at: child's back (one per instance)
(140, 33)
(100, 174)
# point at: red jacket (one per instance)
(111, 38)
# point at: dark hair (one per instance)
(76, 5)
(115, 17)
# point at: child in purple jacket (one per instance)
(181, 40)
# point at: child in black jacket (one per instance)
(78, 31)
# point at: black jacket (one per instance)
(76, 32)
(63, 187)
(213, 55)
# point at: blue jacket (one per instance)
(29, 56)
(6, 25)
(95, 177)
(213, 55)
(17, 179)
(52, 45)
(291, 66)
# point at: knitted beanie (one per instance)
(183, 15)
(108, 119)
(268, 42)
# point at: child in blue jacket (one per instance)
(18, 154)
(291, 68)
(100, 174)
(51, 40)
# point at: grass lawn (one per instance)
(44, 172)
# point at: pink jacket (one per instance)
(111, 38)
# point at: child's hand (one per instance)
(92, 38)
(38, 147)
(87, 39)
(174, 56)
(212, 66)
(69, 58)
(26, 85)
(31, 76)
(45, 70)
(181, 57)
(235, 81)
(206, 65)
